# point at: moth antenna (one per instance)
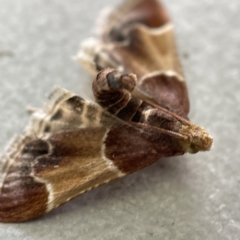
(162, 130)
(181, 119)
(32, 110)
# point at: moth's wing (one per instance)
(56, 161)
(116, 22)
(138, 37)
(49, 171)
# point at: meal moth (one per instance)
(140, 115)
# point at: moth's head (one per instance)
(197, 138)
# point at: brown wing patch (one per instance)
(140, 148)
(150, 13)
(24, 203)
(76, 164)
(21, 196)
(173, 94)
(149, 51)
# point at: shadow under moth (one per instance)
(140, 115)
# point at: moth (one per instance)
(72, 145)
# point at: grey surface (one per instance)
(189, 197)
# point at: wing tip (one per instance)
(19, 205)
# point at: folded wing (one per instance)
(138, 37)
(70, 147)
